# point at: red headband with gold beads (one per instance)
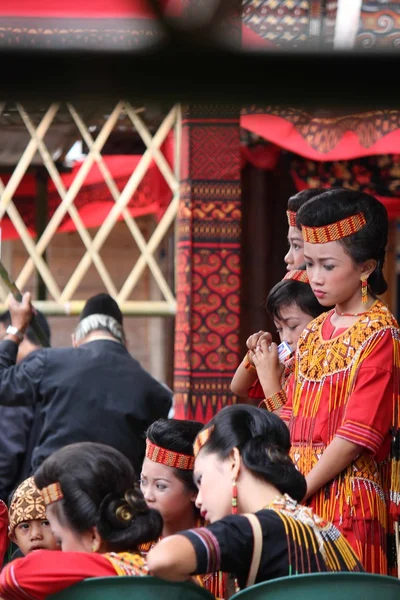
(297, 275)
(168, 457)
(52, 493)
(202, 439)
(334, 231)
(291, 217)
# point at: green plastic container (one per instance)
(325, 586)
(137, 588)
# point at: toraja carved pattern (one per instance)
(379, 25)
(324, 133)
(290, 24)
(208, 262)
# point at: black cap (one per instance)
(102, 304)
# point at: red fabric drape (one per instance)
(89, 9)
(326, 138)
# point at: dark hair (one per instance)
(290, 291)
(178, 436)
(263, 441)
(302, 197)
(367, 243)
(5, 318)
(99, 489)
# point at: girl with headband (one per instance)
(98, 517)
(248, 488)
(167, 485)
(294, 258)
(343, 402)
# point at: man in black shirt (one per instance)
(20, 425)
(93, 392)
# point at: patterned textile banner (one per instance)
(376, 175)
(326, 136)
(208, 262)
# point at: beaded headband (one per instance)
(334, 231)
(52, 493)
(291, 217)
(297, 275)
(202, 439)
(168, 457)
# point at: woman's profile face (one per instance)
(67, 539)
(213, 478)
(164, 492)
(295, 255)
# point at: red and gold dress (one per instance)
(348, 386)
(46, 572)
(3, 531)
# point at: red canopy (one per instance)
(321, 137)
(94, 200)
(89, 9)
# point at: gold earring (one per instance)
(364, 289)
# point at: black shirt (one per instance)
(96, 393)
(295, 541)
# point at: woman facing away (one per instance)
(98, 517)
(292, 305)
(167, 485)
(242, 466)
(343, 402)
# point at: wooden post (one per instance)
(41, 216)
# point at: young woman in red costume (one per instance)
(343, 403)
(168, 486)
(98, 517)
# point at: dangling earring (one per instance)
(95, 546)
(234, 498)
(364, 289)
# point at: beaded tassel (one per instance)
(234, 498)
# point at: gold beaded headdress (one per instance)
(297, 275)
(334, 231)
(202, 439)
(52, 493)
(26, 505)
(168, 457)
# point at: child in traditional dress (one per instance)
(167, 484)
(29, 528)
(98, 517)
(292, 305)
(242, 466)
(343, 402)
